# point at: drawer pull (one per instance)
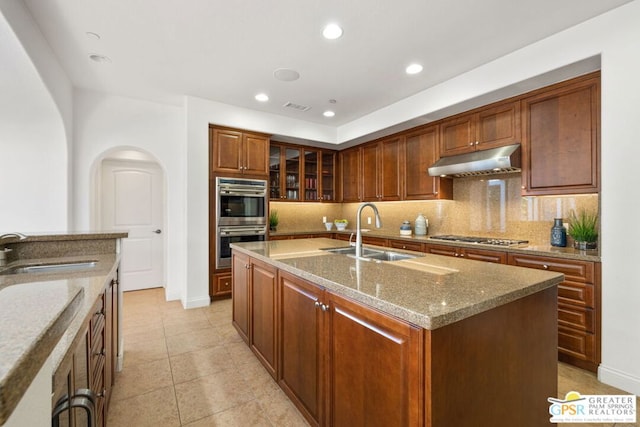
(545, 266)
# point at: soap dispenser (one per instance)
(420, 225)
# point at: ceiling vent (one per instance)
(296, 106)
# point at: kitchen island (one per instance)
(432, 340)
(49, 290)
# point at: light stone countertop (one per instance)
(538, 250)
(40, 316)
(431, 291)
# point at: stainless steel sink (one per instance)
(50, 268)
(372, 254)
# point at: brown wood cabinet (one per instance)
(220, 284)
(240, 309)
(327, 346)
(381, 170)
(263, 314)
(421, 150)
(302, 346)
(372, 364)
(486, 255)
(298, 173)
(350, 175)
(492, 126)
(90, 364)
(561, 133)
(578, 307)
(235, 152)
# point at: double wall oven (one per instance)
(241, 214)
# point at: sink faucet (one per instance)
(359, 228)
(8, 235)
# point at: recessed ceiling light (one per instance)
(262, 97)
(414, 69)
(99, 58)
(332, 32)
(286, 74)
(328, 113)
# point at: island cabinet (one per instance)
(237, 153)
(561, 133)
(421, 150)
(87, 372)
(578, 307)
(381, 170)
(254, 307)
(492, 126)
(485, 255)
(343, 363)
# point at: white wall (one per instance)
(33, 143)
(104, 123)
(615, 36)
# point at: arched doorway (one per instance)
(131, 197)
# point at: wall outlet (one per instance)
(324, 219)
(369, 220)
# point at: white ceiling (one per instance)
(227, 51)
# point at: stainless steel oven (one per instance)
(226, 235)
(241, 201)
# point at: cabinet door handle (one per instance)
(545, 266)
(324, 307)
(100, 353)
(476, 143)
(317, 304)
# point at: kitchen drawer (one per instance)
(576, 293)
(486, 255)
(223, 284)
(441, 250)
(374, 241)
(576, 317)
(409, 246)
(577, 271)
(576, 344)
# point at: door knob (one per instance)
(158, 231)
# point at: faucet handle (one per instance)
(351, 237)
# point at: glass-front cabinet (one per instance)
(301, 174)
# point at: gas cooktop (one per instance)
(480, 240)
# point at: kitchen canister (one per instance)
(405, 228)
(421, 225)
(558, 233)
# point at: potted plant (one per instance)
(341, 224)
(583, 228)
(273, 220)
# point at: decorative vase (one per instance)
(558, 233)
(583, 246)
(420, 225)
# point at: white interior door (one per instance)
(132, 201)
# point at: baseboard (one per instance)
(197, 302)
(619, 380)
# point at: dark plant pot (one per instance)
(273, 228)
(583, 246)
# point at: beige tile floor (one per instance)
(190, 368)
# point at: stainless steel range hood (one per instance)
(485, 162)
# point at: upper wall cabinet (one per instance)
(561, 136)
(421, 151)
(381, 167)
(235, 152)
(492, 126)
(351, 178)
(299, 173)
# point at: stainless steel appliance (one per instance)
(241, 201)
(241, 215)
(227, 235)
(481, 240)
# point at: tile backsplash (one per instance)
(482, 206)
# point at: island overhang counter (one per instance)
(479, 345)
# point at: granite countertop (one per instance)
(40, 316)
(78, 235)
(539, 250)
(430, 291)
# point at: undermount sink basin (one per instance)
(372, 254)
(50, 268)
